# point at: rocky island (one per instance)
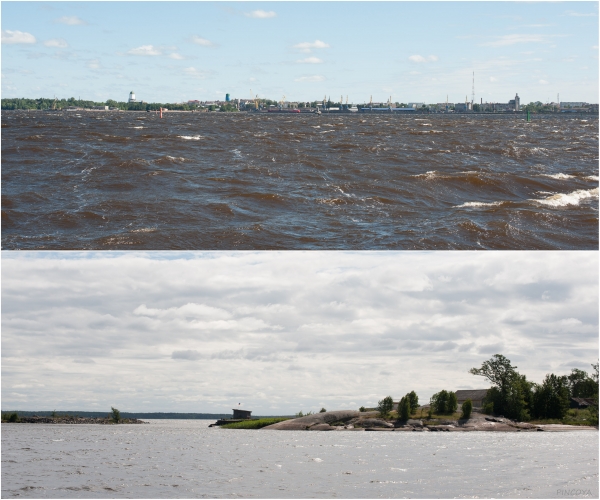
(351, 420)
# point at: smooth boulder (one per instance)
(305, 423)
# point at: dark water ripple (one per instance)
(95, 180)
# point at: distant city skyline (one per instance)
(180, 51)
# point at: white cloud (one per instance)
(145, 50)
(506, 40)
(420, 59)
(177, 56)
(56, 42)
(94, 64)
(187, 318)
(202, 41)
(71, 21)
(310, 60)
(17, 37)
(261, 14)
(313, 78)
(493, 79)
(543, 82)
(308, 46)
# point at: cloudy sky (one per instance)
(411, 51)
(281, 332)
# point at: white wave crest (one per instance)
(558, 176)
(593, 177)
(564, 199)
(476, 204)
(190, 137)
(428, 175)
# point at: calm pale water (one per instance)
(94, 180)
(179, 458)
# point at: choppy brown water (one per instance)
(96, 180)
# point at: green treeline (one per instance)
(512, 396)
(47, 104)
(517, 398)
(124, 414)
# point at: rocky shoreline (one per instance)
(350, 420)
(76, 420)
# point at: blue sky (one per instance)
(411, 51)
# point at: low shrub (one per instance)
(467, 407)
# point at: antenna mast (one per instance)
(473, 90)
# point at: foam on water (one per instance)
(558, 176)
(565, 199)
(476, 204)
(190, 137)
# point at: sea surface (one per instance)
(128, 180)
(186, 459)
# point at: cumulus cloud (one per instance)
(308, 46)
(56, 42)
(71, 21)
(312, 78)
(94, 64)
(17, 37)
(176, 56)
(145, 50)
(261, 14)
(159, 331)
(201, 41)
(310, 60)
(420, 59)
(543, 82)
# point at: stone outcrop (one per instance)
(305, 423)
(373, 422)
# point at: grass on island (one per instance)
(254, 424)
(574, 416)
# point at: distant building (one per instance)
(515, 104)
(582, 403)
(243, 414)
(475, 395)
(131, 97)
(572, 104)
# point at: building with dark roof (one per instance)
(475, 395)
(242, 414)
(582, 403)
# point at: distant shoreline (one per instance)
(335, 112)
